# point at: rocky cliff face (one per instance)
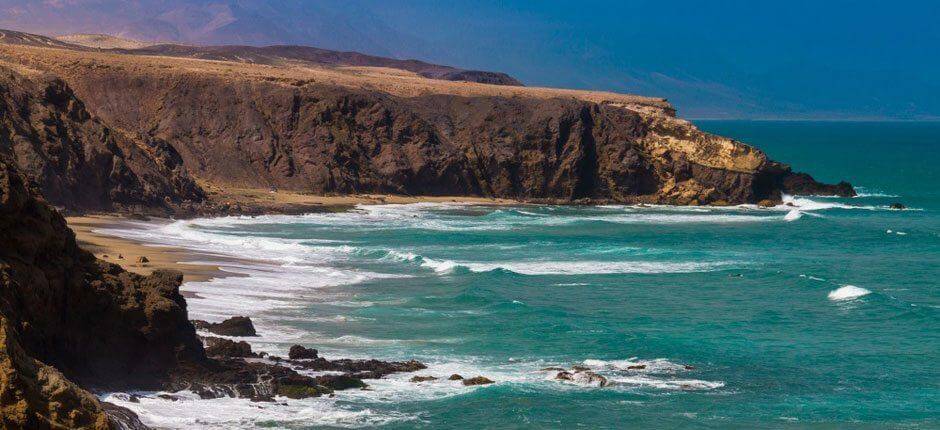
(70, 322)
(360, 130)
(78, 162)
(333, 139)
(57, 307)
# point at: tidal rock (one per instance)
(589, 378)
(143, 259)
(235, 326)
(636, 367)
(220, 347)
(423, 378)
(362, 369)
(477, 380)
(455, 377)
(340, 382)
(298, 352)
(898, 206)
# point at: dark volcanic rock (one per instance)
(804, 184)
(423, 378)
(898, 206)
(478, 380)
(298, 352)
(235, 326)
(340, 382)
(362, 369)
(219, 347)
(122, 418)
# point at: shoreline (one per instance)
(126, 252)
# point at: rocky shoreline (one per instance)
(71, 324)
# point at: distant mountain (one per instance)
(207, 22)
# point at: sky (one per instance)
(794, 59)
(786, 59)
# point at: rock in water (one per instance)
(298, 352)
(235, 326)
(477, 380)
(219, 347)
(898, 206)
(423, 378)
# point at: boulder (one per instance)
(423, 378)
(298, 352)
(455, 377)
(340, 382)
(478, 380)
(219, 347)
(235, 326)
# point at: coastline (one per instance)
(109, 248)
(87, 228)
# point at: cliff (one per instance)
(80, 163)
(337, 130)
(71, 323)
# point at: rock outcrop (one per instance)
(70, 322)
(78, 162)
(338, 131)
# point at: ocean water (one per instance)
(823, 314)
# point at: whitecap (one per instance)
(793, 215)
(847, 292)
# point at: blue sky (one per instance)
(789, 59)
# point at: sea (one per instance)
(819, 313)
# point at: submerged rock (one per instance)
(898, 206)
(423, 378)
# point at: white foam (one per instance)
(793, 215)
(596, 267)
(862, 192)
(848, 292)
(229, 413)
(658, 365)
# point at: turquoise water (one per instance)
(827, 316)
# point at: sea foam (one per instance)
(847, 292)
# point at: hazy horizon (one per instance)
(722, 60)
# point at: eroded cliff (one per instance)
(367, 130)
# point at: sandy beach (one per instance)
(127, 253)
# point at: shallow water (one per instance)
(825, 315)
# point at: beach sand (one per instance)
(126, 253)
